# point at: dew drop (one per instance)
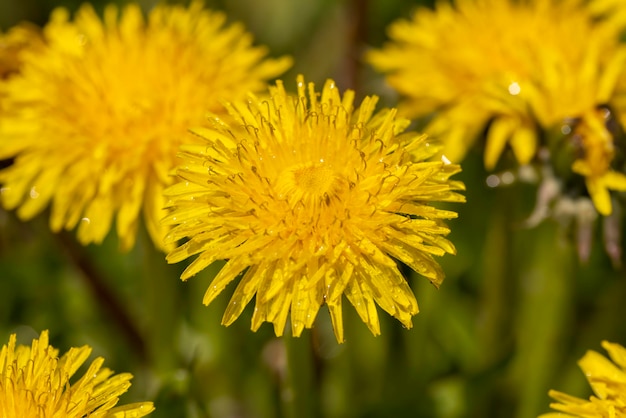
(86, 220)
(34, 194)
(514, 88)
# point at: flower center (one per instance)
(314, 179)
(307, 183)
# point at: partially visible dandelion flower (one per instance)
(518, 68)
(310, 199)
(12, 45)
(93, 121)
(35, 382)
(608, 381)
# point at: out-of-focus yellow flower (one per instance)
(95, 119)
(517, 68)
(608, 381)
(35, 382)
(595, 164)
(12, 45)
(310, 198)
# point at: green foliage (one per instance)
(515, 313)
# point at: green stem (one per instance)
(497, 287)
(161, 296)
(301, 395)
(105, 297)
(545, 307)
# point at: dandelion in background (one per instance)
(608, 381)
(309, 199)
(12, 45)
(93, 121)
(35, 382)
(537, 74)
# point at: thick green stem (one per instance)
(161, 297)
(545, 282)
(300, 395)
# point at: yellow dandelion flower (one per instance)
(310, 199)
(515, 67)
(94, 120)
(595, 165)
(608, 381)
(35, 382)
(12, 45)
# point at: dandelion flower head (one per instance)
(309, 198)
(12, 45)
(608, 381)
(35, 382)
(515, 68)
(93, 121)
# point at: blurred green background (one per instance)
(515, 313)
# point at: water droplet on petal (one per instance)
(514, 88)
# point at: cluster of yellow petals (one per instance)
(35, 382)
(13, 43)
(94, 119)
(608, 381)
(310, 198)
(516, 67)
